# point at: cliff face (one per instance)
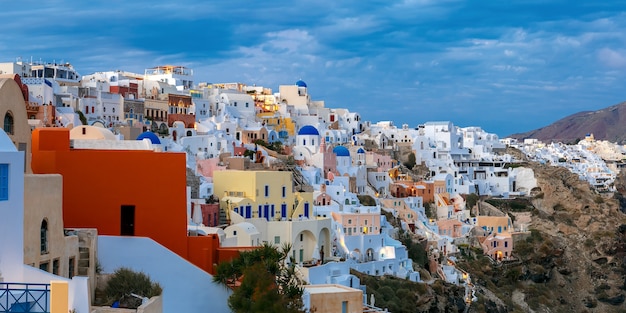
(574, 260)
(606, 124)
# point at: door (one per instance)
(127, 220)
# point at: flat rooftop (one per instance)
(320, 289)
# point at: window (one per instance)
(301, 237)
(44, 237)
(267, 191)
(277, 239)
(284, 191)
(45, 266)
(55, 266)
(506, 244)
(4, 182)
(8, 123)
(70, 267)
(234, 233)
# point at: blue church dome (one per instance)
(341, 151)
(308, 130)
(150, 135)
(360, 150)
(301, 83)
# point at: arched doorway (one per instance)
(303, 245)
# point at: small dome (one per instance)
(360, 150)
(308, 130)
(150, 135)
(301, 83)
(341, 151)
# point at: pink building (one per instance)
(358, 223)
(384, 162)
(329, 159)
(450, 228)
(208, 166)
(498, 246)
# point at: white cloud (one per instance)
(612, 58)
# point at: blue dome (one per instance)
(301, 83)
(341, 151)
(360, 150)
(308, 130)
(150, 135)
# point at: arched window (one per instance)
(8, 123)
(44, 237)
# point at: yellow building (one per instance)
(495, 224)
(278, 123)
(261, 194)
(266, 200)
(333, 298)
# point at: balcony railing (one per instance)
(22, 297)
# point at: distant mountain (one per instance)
(605, 124)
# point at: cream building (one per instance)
(333, 298)
(13, 118)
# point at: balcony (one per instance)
(22, 297)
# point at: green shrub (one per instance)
(126, 281)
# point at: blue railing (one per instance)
(21, 297)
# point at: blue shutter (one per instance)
(4, 182)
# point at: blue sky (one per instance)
(507, 66)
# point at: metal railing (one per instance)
(24, 297)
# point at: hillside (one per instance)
(573, 261)
(606, 124)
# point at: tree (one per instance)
(82, 117)
(268, 282)
(125, 282)
(410, 163)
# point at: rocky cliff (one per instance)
(573, 260)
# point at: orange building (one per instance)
(407, 188)
(124, 193)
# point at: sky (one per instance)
(506, 66)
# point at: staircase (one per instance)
(83, 261)
(299, 183)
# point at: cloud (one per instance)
(612, 58)
(408, 61)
